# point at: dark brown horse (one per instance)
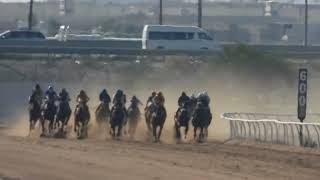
(148, 115)
(158, 118)
(49, 111)
(201, 119)
(117, 119)
(81, 120)
(182, 119)
(63, 116)
(34, 113)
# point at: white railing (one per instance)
(274, 128)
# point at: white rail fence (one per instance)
(274, 128)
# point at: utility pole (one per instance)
(160, 12)
(199, 13)
(306, 24)
(30, 15)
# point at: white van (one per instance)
(176, 38)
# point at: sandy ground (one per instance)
(26, 158)
(45, 158)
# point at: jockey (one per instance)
(204, 98)
(37, 94)
(64, 95)
(183, 99)
(159, 99)
(104, 96)
(119, 97)
(150, 99)
(201, 108)
(135, 101)
(83, 97)
(50, 94)
(183, 106)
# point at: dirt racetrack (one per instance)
(24, 158)
(31, 159)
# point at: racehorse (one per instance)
(49, 111)
(63, 116)
(134, 116)
(102, 113)
(148, 115)
(201, 119)
(34, 113)
(81, 120)
(182, 119)
(117, 119)
(158, 118)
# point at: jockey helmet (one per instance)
(37, 86)
(119, 92)
(82, 92)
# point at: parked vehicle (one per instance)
(22, 35)
(177, 38)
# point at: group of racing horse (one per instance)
(53, 111)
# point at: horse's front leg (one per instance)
(51, 124)
(160, 131)
(177, 128)
(113, 131)
(119, 130)
(154, 129)
(195, 132)
(43, 126)
(186, 131)
(86, 123)
(201, 136)
(30, 126)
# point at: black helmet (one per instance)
(82, 92)
(119, 92)
(37, 86)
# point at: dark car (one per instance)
(22, 34)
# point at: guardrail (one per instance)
(279, 129)
(104, 47)
(133, 47)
